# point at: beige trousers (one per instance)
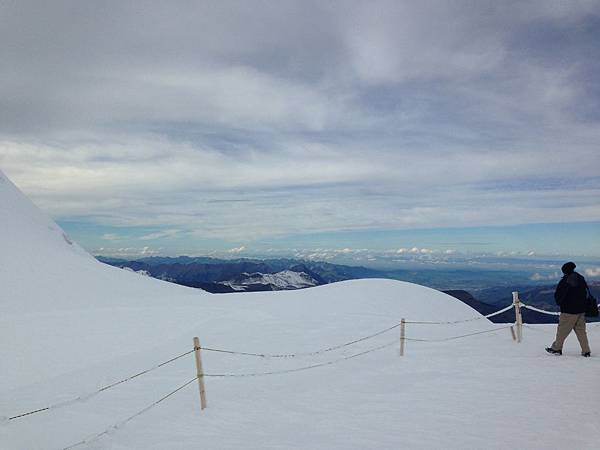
(567, 323)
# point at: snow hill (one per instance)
(70, 325)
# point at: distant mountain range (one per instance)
(243, 275)
(251, 275)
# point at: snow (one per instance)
(285, 279)
(69, 325)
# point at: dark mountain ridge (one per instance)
(214, 275)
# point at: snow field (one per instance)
(457, 394)
(70, 325)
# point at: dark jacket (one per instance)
(571, 294)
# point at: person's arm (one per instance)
(561, 291)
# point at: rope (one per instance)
(231, 352)
(500, 311)
(452, 322)
(299, 369)
(29, 413)
(85, 397)
(128, 419)
(295, 355)
(458, 337)
(550, 313)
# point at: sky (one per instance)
(290, 127)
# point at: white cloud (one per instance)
(286, 192)
(592, 272)
(416, 250)
(386, 42)
(237, 249)
(548, 277)
(127, 252)
(345, 118)
(159, 235)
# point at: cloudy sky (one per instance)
(266, 126)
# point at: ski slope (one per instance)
(70, 325)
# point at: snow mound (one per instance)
(58, 294)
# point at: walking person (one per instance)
(571, 295)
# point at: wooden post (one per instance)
(402, 336)
(200, 373)
(518, 316)
(512, 332)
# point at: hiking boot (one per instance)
(586, 354)
(553, 352)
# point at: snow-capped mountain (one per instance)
(70, 325)
(284, 280)
(218, 275)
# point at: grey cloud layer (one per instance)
(320, 116)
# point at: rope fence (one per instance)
(87, 396)
(452, 338)
(299, 369)
(543, 311)
(516, 332)
(118, 425)
(299, 354)
(107, 431)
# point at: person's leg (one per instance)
(566, 322)
(581, 334)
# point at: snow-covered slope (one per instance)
(46, 268)
(69, 325)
